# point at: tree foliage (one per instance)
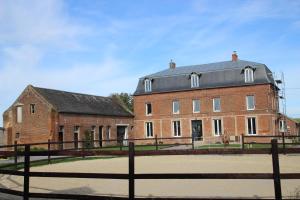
(125, 98)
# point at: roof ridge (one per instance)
(71, 92)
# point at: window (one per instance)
(217, 127)
(32, 108)
(176, 129)
(194, 80)
(93, 131)
(19, 114)
(61, 137)
(148, 109)
(250, 102)
(249, 75)
(196, 106)
(251, 125)
(216, 104)
(61, 129)
(76, 136)
(17, 135)
(175, 107)
(76, 129)
(149, 129)
(282, 126)
(148, 86)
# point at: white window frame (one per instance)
(146, 130)
(148, 85)
(194, 103)
(214, 103)
(32, 108)
(219, 130)
(178, 132)
(282, 126)
(247, 102)
(77, 130)
(249, 75)
(93, 131)
(194, 80)
(251, 125)
(107, 132)
(19, 114)
(146, 106)
(173, 107)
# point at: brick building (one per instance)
(40, 114)
(2, 138)
(208, 101)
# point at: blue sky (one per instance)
(101, 47)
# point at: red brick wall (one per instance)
(34, 127)
(85, 122)
(233, 111)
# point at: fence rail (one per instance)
(276, 176)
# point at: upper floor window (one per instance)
(32, 108)
(250, 102)
(148, 109)
(175, 107)
(196, 106)
(216, 104)
(19, 114)
(194, 80)
(61, 129)
(249, 75)
(17, 135)
(148, 86)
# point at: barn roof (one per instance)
(70, 102)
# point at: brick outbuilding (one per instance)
(40, 114)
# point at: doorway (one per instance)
(100, 135)
(197, 130)
(122, 134)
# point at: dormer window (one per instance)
(194, 80)
(249, 75)
(148, 86)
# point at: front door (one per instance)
(75, 140)
(100, 135)
(121, 130)
(197, 129)
(60, 140)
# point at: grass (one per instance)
(137, 147)
(216, 146)
(53, 161)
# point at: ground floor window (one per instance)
(282, 126)
(61, 137)
(251, 124)
(149, 129)
(107, 132)
(176, 129)
(217, 127)
(76, 136)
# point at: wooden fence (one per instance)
(131, 176)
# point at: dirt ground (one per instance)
(165, 188)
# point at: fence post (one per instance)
(276, 170)
(120, 144)
(49, 149)
(83, 148)
(193, 142)
(16, 154)
(243, 141)
(283, 143)
(156, 143)
(26, 173)
(131, 170)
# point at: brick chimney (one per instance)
(172, 64)
(234, 56)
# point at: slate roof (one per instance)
(213, 75)
(69, 102)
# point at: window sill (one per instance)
(177, 136)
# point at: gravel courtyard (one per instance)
(167, 164)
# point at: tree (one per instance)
(125, 99)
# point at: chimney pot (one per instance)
(172, 64)
(234, 56)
